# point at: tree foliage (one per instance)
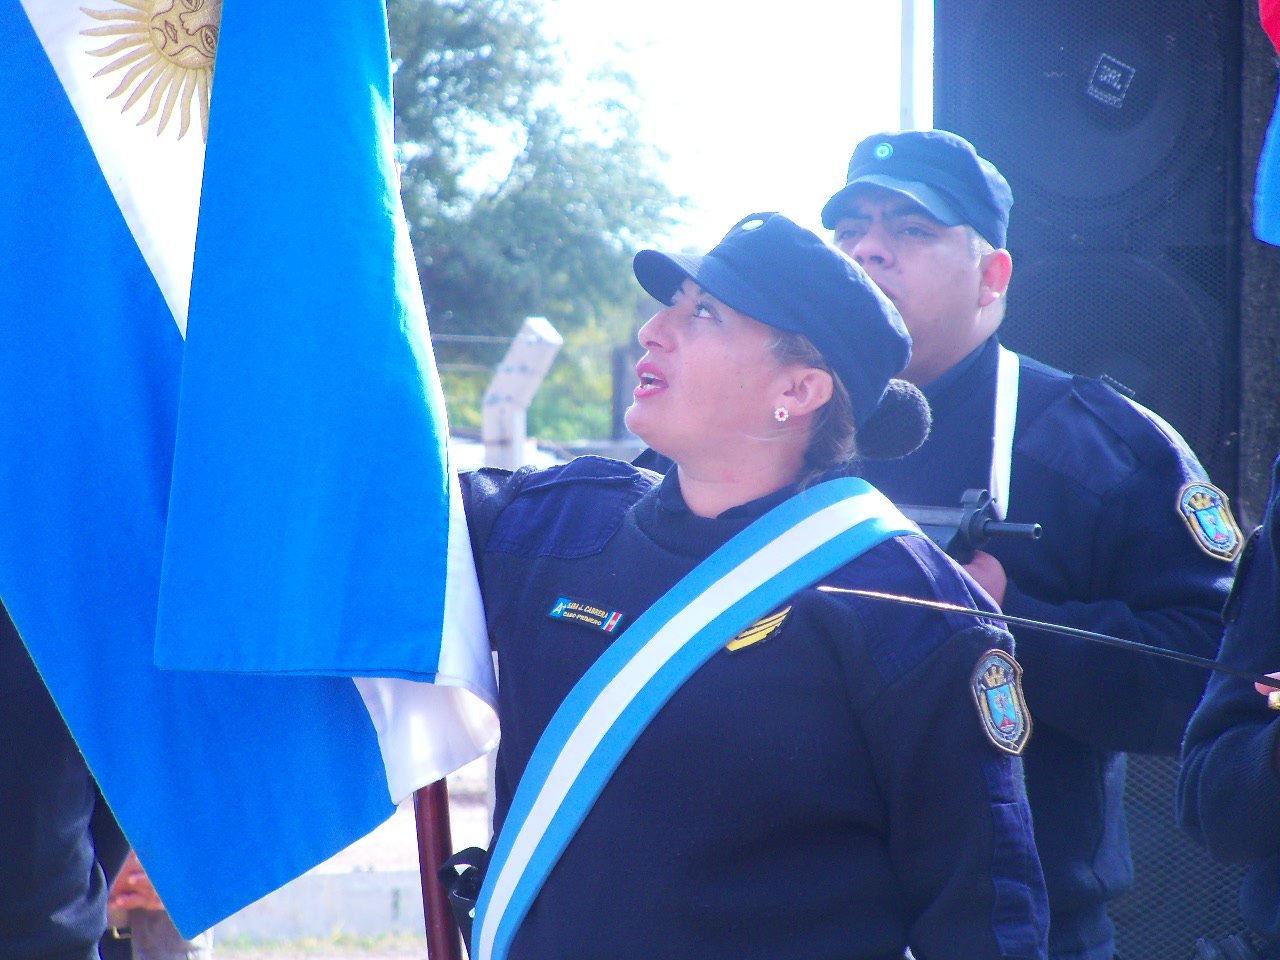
(551, 231)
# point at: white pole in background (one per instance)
(915, 111)
(514, 383)
(907, 77)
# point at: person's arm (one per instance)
(1149, 581)
(1229, 785)
(1228, 791)
(960, 837)
(485, 494)
(53, 895)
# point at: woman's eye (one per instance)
(702, 309)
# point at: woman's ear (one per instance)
(809, 391)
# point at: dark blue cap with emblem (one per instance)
(783, 275)
(938, 170)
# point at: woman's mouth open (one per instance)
(651, 381)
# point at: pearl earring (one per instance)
(781, 414)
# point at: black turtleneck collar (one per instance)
(664, 517)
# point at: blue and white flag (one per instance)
(1266, 184)
(224, 448)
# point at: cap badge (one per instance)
(997, 691)
(752, 221)
(883, 151)
(1204, 507)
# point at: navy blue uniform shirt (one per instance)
(1102, 478)
(827, 792)
(1229, 794)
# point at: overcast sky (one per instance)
(757, 106)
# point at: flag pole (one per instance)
(435, 845)
(506, 400)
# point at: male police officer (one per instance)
(1136, 542)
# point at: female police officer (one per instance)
(705, 755)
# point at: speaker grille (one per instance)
(1178, 893)
(1144, 323)
(1117, 124)
(1098, 113)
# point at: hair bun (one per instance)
(899, 425)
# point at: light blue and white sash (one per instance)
(794, 545)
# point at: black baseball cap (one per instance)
(938, 170)
(783, 275)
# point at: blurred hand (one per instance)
(989, 573)
(1263, 689)
(132, 889)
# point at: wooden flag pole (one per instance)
(435, 845)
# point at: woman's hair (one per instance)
(898, 426)
(832, 441)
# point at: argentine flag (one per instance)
(231, 537)
(1266, 185)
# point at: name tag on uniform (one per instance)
(587, 614)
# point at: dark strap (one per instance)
(461, 876)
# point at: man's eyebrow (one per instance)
(899, 209)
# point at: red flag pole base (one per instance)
(435, 845)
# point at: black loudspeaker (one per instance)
(1117, 124)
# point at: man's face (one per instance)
(931, 272)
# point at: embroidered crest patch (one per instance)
(587, 614)
(1204, 507)
(997, 691)
(759, 631)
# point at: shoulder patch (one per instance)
(997, 692)
(1208, 516)
(759, 631)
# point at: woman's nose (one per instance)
(655, 332)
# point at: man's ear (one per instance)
(996, 268)
(810, 389)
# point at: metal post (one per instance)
(907, 77)
(514, 384)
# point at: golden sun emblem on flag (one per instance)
(168, 47)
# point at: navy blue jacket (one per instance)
(1102, 479)
(827, 792)
(1229, 793)
(53, 887)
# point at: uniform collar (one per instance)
(957, 373)
(665, 518)
(671, 499)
